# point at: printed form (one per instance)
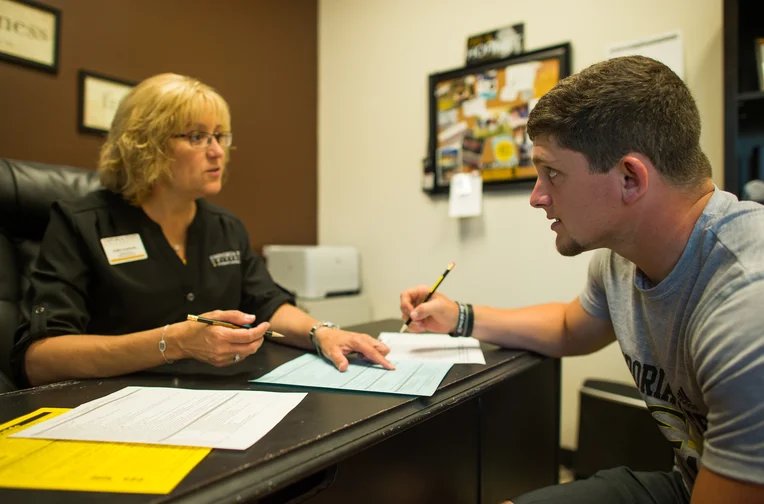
(90, 467)
(408, 378)
(227, 419)
(432, 347)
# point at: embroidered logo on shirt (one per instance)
(225, 258)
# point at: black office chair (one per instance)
(26, 192)
(616, 429)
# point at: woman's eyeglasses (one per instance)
(202, 139)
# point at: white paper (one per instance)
(227, 419)
(465, 197)
(453, 134)
(475, 107)
(666, 48)
(432, 347)
(520, 79)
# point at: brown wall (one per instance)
(261, 55)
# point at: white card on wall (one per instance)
(465, 198)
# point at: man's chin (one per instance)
(569, 248)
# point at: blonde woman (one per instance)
(120, 269)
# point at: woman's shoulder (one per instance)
(217, 211)
(91, 202)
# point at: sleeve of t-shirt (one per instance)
(728, 356)
(593, 299)
(260, 295)
(56, 301)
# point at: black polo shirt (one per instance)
(75, 290)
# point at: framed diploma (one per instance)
(29, 34)
(99, 97)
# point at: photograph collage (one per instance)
(481, 117)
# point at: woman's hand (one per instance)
(336, 344)
(213, 344)
(438, 315)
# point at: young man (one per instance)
(679, 281)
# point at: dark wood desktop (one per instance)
(489, 433)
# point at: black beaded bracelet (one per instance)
(465, 322)
(470, 320)
(461, 322)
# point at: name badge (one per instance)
(124, 249)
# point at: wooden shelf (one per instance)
(743, 110)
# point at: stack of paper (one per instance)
(229, 419)
(432, 347)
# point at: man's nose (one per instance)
(540, 197)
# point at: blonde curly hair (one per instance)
(138, 151)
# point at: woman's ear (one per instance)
(633, 172)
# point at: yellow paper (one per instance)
(90, 466)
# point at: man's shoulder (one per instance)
(736, 226)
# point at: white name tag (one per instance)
(124, 249)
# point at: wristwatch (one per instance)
(315, 328)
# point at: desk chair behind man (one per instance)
(26, 192)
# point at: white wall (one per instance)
(374, 59)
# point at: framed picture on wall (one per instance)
(30, 34)
(759, 48)
(478, 114)
(99, 97)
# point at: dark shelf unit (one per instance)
(743, 97)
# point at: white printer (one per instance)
(315, 271)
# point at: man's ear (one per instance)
(633, 176)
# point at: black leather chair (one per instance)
(26, 192)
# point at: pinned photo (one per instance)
(487, 84)
(518, 115)
(447, 117)
(472, 152)
(503, 152)
(449, 160)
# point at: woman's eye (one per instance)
(195, 137)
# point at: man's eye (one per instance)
(552, 172)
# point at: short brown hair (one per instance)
(622, 105)
(137, 151)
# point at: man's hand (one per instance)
(438, 315)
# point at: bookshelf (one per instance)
(743, 97)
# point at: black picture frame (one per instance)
(112, 89)
(758, 47)
(19, 34)
(473, 108)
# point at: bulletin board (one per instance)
(478, 116)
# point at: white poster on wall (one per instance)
(667, 48)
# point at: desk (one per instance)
(488, 433)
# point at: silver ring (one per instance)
(237, 357)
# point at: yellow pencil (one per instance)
(432, 291)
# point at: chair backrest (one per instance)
(27, 191)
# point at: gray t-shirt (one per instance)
(694, 343)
